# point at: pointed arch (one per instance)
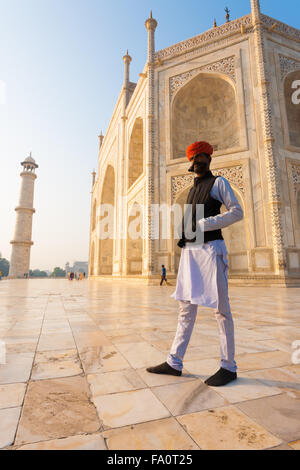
(134, 246)
(106, 246)
(136, 152)
(292, 106)
(205, 108)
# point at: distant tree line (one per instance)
(57, 272)
(37, 273)
(4, 266)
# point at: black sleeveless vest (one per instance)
(200, 194)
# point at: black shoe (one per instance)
(222, 377)
(164, 368)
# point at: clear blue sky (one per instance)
(61, 62)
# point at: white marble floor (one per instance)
(74, 375)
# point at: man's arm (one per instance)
(223, 192)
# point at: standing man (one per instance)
(202, 274)
(163, 274)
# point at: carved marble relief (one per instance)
(233, 174)
(287, 65)
(226, 66)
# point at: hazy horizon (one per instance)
(62, 69)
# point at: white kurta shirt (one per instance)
(197, 272)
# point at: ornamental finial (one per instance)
(227, 16)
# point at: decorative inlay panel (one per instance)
(226, 66)
(233, 174)
(287, 65)
(213, 33)
(295, 176)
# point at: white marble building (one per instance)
(235, 86)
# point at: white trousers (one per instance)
(186, 321)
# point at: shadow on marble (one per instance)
(141, 355)
(188, 397)
(154, 380)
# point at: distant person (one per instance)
(84, 274)
(0, 275)
(81, 276)
(163, 274)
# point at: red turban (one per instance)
(198, 147)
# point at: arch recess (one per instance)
(136, 152)
(134, 245)
(205, 108)
(106, 245)
(292, 106)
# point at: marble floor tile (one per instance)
(56, 342)
(246, 388)
(98, 360)
(188, 397)
(19, 348)
(263, 360)
(12, 395)
(114, 382)
(154, 380)
(79, 442)
(93, 339)
(141, 355)
(54, 364)
(279, 414)
(17, 368)
(284, 378)
(202, 368)
(9, 419)
(122, 409)
(165, 434)
(227, 429)
(55, 409)
(120, 329)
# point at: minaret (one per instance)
(21, 244)
(101, 137)
(127, 59)
(151, 169)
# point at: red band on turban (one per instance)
(198, 147)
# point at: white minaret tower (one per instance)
(21, 244)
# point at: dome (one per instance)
(29, 160)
